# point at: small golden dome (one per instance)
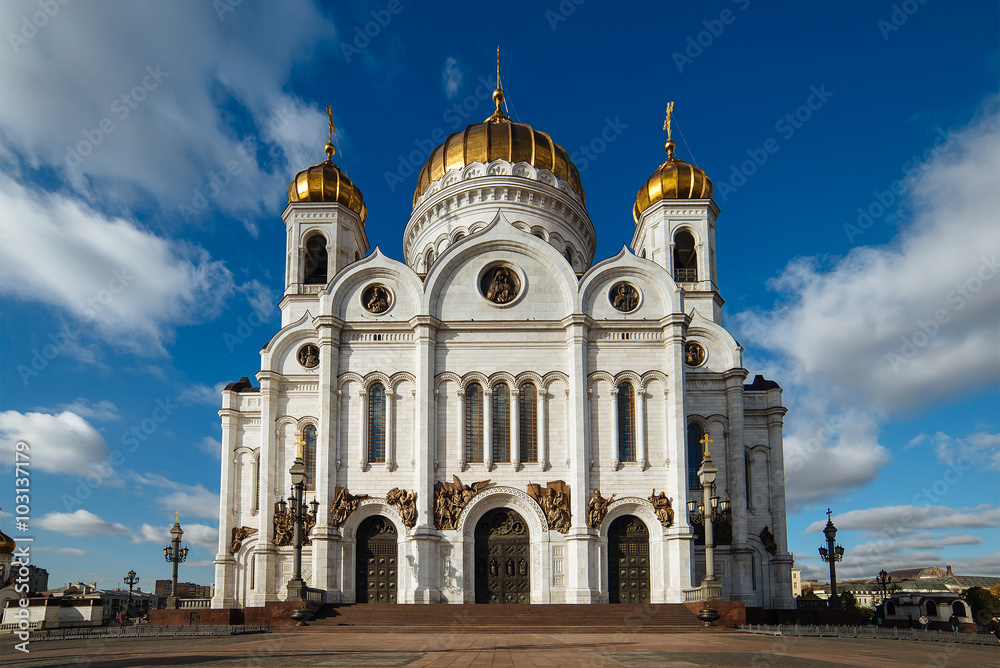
(7, 544)
(675, 179)
(498, 138)
(326, 182)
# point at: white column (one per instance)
(390, 428)
(781, 563)
(488, 427)
(229, 492)
(325, 538)
(543, 428)
(266, 585)
(615, 460)
(642, 455)
(679, 537)
(425, 537)
(515, 426)
(363, 427)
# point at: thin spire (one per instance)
(330, 150)
(498, 116)
(670, 145)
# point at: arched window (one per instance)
(746, 475)
(626, 423)
(309, 455)
(376, 423)
(568, 253)
(528, 415)
(958, 609)
(315, 260)
(474, 423)
(501, 423)
(890, 608)
(694, 455)
(931, 609)
(685, 257)
(429, 259)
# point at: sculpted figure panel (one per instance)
(238, 536)
(664, 508)
(344, 503)
(405, 501)
(284, 527)
(554, 500)
(597, 508)
(450, 498)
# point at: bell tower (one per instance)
(675, 227)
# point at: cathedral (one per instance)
(498, 418)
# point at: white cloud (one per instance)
(172, 131)
(188, 499)
(202, 394)
(79, 523)
(102, 411)
(132, 285)
(980, 449)
(895, 521)
(451, 77)
(210, 446)
(73, 551)
(894, 327)
(200, 535)
(62, 443)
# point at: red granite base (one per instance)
(732, 613)
(274, 613)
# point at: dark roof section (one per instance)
(242, 385)
(760, 384)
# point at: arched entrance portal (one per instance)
(628, 561)
(503, 558)
(376, 568)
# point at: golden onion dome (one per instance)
(326, 182)
(498, 138)
(675, 179)
(7, 544)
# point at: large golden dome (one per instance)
(7, 544)
(675, 179)
(496, 138)
(326, 182)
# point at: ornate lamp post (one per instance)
(131, 580)
(174, 554)
(296, 502)
(711, 509)
(832, 554)
(884, 580)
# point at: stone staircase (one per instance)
(446, 618)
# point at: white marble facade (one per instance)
(561, 332)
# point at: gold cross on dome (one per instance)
(706, 440)
(666, 123)
(329, 115)
(177, 516)
(298, 443)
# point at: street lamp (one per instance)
(884, 580)
(711, 509)
(296, 503)
(832, 554)
(131, 580)
(174, 554)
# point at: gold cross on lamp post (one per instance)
(706, 440)
(298, 443)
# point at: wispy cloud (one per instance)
(80, 523)
(451, 77)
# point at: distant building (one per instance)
(796, 582)
(184, 589)
(79, 604)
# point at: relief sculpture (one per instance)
(450, 498)
(662, 504)
(554, 500)
(404, 501)
(597, 509)
(344, 503)
(239, 535)
(284, 527)
(767, 538)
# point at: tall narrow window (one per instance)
(685, 257)
(256, 483)
(309, 455)
(746, 475)
(528, 409)
(501, 423)
(315, 260)
(376, 423)
(474, 423)
(626, 423)
(694, 455)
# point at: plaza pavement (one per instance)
(288, 649)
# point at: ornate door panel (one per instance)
(628, 561)
(503, 558)
(376, 566)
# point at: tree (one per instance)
(848, 601)
(808, 592)
(983, 602)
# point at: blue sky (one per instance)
(146, 150)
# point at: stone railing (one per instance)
(145, 630)
(703, 593)
(888, 632)
(194, 603)
(315, 595)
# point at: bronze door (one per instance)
(503, 558)
(376, 571)
(628, 561)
